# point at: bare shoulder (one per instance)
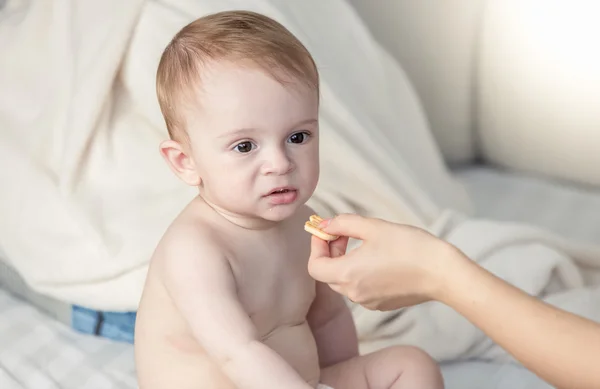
(188, 229)
(191, 249)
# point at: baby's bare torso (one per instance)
(270, 271)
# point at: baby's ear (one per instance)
(180, 161)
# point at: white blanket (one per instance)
(86, 196)
(559, 271)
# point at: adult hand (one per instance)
(395, 266)
(398, 266)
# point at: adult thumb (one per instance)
(350, 225)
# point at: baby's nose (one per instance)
(278, 163)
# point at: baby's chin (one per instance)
(257, 213)
(258, 218)
(278, 213)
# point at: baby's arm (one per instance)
(332, 326)
(201, 284)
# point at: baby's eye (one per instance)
(244, 147)
(299, 137)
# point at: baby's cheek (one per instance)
(313, 172)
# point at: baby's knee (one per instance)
(415, 355)
(417, 366)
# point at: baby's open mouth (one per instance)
(286, 195)
(282, 191)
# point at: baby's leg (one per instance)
(391, 368)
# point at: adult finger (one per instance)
(338, 247)
(336, 288)
(319, 248)
(325, 269)
(350, 225)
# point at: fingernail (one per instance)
(324, 223)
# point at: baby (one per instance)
(228, 301)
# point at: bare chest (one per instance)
(273, 284)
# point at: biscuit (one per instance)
(312, 226)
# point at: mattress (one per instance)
(39, 352)
(564, 208)
(483, 375)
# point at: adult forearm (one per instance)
(561, 348)
(256, 366)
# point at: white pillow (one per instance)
(90, 228)
(439, 61)
(539, 88)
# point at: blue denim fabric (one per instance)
(118, 326)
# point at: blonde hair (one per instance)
(242, 36)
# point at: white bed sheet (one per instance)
(482, 375)
(564, 208)
(38, 352)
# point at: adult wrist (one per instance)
(451, 267)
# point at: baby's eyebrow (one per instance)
(305, 122)
(238, 132)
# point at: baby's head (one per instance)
(240, 97)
